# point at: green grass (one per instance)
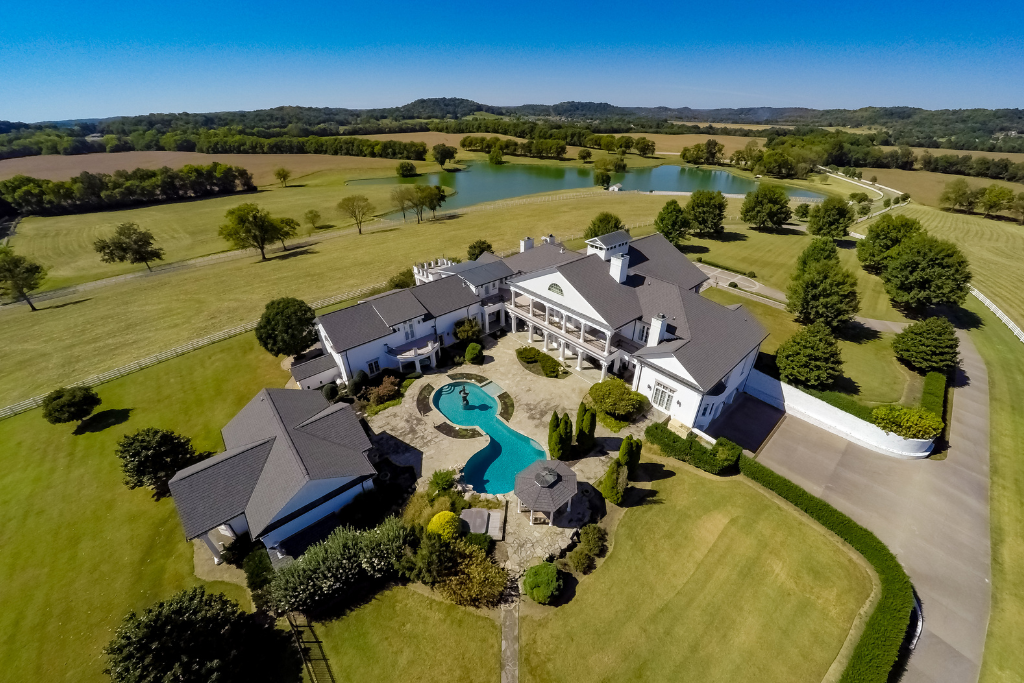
(871, 371)
(81, 550)
(401, 636)
(108, 327)
(1003, 660)
(712, 581)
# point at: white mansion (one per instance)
(630, 307)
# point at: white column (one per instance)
(579, 359)
(583, 327)
(604, 370)
(416, 362)
(213, 548)
(487, 322)
(607, 342)
(569, 509)
(547, 314)
(561, 350)
(531, 307)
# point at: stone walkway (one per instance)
(933, 514)
(510, 642)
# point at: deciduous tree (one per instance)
(831, 218)
(644, 147)
(811, 357)
(151, 457)
(406, 169)
(584, 155)
(70, 404)
(767, 207)
(282, 174)
(930, 344)
(996, 198)
(128, 243)
(674, 222)
(443, 153)
(286, 327)
(823, 292)
(603, 224)
(19, 275)
(286, 229)
(402, 198)
(313, 218)
(358, 208)
(477, 248)
(883, 236)
(925, 271)
(707, 210)
(250, 227)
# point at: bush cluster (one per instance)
(811, 357)
(446, 525)
(629, 453)
(386, 391)
(879, 645)
(329, 569)
(910, 423)
(586, 425)
(721, 457)
(614, 482)
(70, 404)
(593, 540)
(476, 580)
(931, 344)
(616, 398)
(542, 583)
(560, 436)
(258, 575)
(548, 365)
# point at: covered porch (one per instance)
(419, 353)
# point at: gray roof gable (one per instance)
(444, 296)
(546, 498)
(304, 437)
(398, 307)
(617, 304)
(611, 239)
(540, 257)
(354, 326)
(486, 272)
(654, 256)
(315, 366)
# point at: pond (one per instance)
(488, 183)
(494, 467)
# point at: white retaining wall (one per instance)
(832, 419)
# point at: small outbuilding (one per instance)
(544, 488)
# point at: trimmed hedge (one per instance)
(717, 459)
(474, 354)
(879, 645)
(910, 423)
(548, 365)
(934, 397)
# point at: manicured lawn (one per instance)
(925, 187)
(108, 327)
(79, 549)
(871, 371)
(710, 581)
(401, 635)
(1004, 357)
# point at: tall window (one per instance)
(645, 332)
(373, 366)
(663, 396)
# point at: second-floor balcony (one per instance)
(414, 349)
(564, 323)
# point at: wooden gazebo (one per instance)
(544, 487)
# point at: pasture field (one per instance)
(675, 143)
(924, 187)
(84, 549)
(396, 637)
(97, 330)
(1015, 157)
(664, 605)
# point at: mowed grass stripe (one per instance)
(711, 580)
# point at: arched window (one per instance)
(556, 288)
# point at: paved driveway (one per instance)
(933, 514)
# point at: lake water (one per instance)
(494, 467)
(488, 183)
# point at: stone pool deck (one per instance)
(408, 438)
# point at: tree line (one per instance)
(979, 167)
(94, 191)
(544, 149)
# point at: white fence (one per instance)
(820, 414)
(999, 314)
(149, 361)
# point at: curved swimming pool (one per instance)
(494, 467)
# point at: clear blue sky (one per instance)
(61, 60)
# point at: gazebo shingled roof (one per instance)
(535, 495)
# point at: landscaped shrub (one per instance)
(330, 391)
(715, 460)
(528, 354)
(474, 354)
(931, 344)
(613, 484)
(468, 329)
(440, 481)
(560, 436)
(615, 397)
(480, 540)
(324, 572)
(431, 561)
(542, 583)
(356, 384)
(151, 456)
(413, 376)
(580, 560)
(879, 645)
(258, 570)
(69, 404)
(387, 391)
(477, 581)
(629, 452)
(911, 423)
(422, 507)
(933, 399)
(586, 424)
(548, 365)
(446, 525)
(593, 539)
(381, 547)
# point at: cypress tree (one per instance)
(565, 436)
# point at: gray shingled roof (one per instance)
(444, 296)
(353, 326)
(654, 256)
(486, 272)
(611, 239)
(486, 257)
(719, 338)
(591, 276)
(540, 257)
(217, 489)
(308, 439)
(314, 366)
(398, 307)
(534, 496)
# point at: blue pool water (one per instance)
(494, 467)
